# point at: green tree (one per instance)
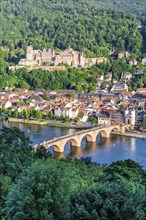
(5, 185)
(94, 120)
(16, 152)
(23, 113)
(15, 113)
(108, 201)
(41, 193)
(37, 114)
(77, 119)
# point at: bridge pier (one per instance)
(105, 134)
(75, 145)
(58, 149)
(122, 129)
(91, 139)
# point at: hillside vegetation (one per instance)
(130, 6)
(83, 25)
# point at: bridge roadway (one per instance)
(59, 143)
(70, 135)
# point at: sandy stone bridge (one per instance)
(75, 139)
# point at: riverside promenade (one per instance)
(52, 123)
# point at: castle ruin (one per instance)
(50, 57)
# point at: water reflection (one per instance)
(104, 142)
(75, 152)
(133, 144)
(90, 147)
(58, 155)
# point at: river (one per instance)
(104, 151)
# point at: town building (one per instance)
(126, 76)
(141, 91)
(144, 61)
(133, 62)
(123, 55)
(144, 117)
(140, 72)
(119, 86)
(108, 77)
(116, 117)
(104, 119)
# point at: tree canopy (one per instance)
(34, 185)
(84, 25)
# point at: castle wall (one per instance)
(29, 68)
(47, 55)
(63, 59)
(68, 56)
(101, 60)
(29, 53)
(25, 62)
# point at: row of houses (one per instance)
(110, 108)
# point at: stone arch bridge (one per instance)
(75, 139)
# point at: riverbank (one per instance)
(50, 123)
(27, 121)
(135, 134)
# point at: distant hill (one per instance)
(131, 6)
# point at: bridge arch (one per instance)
(103, 133)
(69, 145)
(89, 137)
(74, 142)
(129, 127)
(56, 148)
(115, 129)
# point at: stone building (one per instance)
(52, 57)
(104, 119)
(133, 62)
(119, 86)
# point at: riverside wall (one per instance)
(30, 68)
(49, 123)
(137, 134)
(27, 121)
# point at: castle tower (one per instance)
(81, 59)
(53, 53)
(29, 53)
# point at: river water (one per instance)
(104, 151)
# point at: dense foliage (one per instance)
(33, 185)
(81, 24)
(72, 78)
(131, 6)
